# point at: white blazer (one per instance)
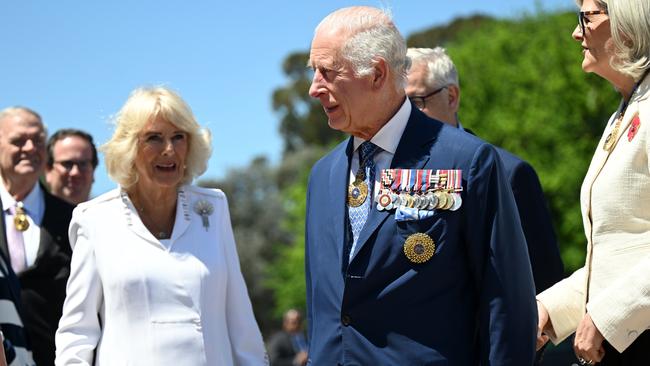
(142, 302)
(614, 284)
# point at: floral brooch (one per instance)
(204, 208)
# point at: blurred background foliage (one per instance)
(522, 88)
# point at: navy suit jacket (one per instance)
(536, 221)
(472, 303)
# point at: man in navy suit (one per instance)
(414, 249)
(434, 88)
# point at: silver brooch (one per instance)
(205, 209)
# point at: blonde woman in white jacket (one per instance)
(155, 278)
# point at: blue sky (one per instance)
(75, 62)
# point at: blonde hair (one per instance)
(144, 105)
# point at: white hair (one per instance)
(630, 26)
(371, 34)
(441, 70)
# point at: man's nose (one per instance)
(316, 87)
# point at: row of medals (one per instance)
(418, 247)
(441, 193)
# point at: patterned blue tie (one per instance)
(358, 215)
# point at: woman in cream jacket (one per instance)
(607, 302)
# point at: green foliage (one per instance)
(256, 213)
(286, 277)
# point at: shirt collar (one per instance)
(33, 203)
(389, 135)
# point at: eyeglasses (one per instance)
(420, 101)
(82, 165)
(582, 14)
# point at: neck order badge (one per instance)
(20, 218)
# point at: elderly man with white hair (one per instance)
(414, 250)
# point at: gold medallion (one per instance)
(357, 193)
(419, 248)
(20, 221)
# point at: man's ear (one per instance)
(453, 91)
(380, 73)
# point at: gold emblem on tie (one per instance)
(20, 218)
(419, 248)
(357, 193)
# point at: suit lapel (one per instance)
(413, 152)
(183, 212)
(338, 183)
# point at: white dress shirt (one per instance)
(34, 205)
(140, 302)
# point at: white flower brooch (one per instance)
(205, 209)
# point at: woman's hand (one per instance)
(542, 324)
(588, 343)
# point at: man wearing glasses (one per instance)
(33, 235)
(71, 163)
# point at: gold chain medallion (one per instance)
(357, 193)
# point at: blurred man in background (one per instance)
(289, 346)
(71, 163)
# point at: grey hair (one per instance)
(371, 34)
(630, 27)
(15, 110)
(441, 70)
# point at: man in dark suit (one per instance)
(434, 88)
(289, 346)
(414, 250)
(34, 236)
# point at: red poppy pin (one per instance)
(634, 128)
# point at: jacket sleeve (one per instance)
(565, 305)
(507, 314)
(243, 331)
(79, 328)
(537, 225)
